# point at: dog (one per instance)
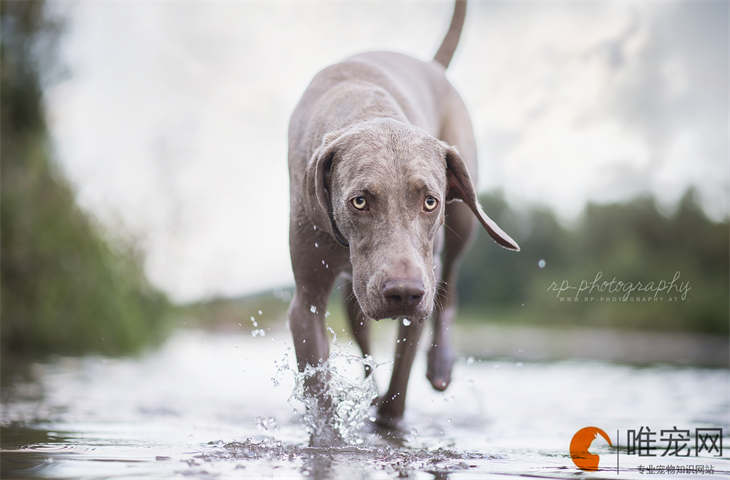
(382, 165)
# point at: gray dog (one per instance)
(381, 155)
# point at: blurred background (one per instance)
(144, 178)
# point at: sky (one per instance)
(172, 120)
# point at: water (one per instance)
(224, 405)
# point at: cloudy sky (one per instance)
(172, 123)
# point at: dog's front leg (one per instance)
(359, 323)
(459, 232)
(393, 403)
(306, 321)
(307, 324)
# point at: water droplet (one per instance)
(406, 322)
(266, 423)
(254, 322)
(541, 263)
(316, 245)
(258, 333)
(260, 312)
(313, 309)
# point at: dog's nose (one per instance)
(403, 293)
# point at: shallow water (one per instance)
(220, 405)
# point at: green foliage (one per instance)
(225, 313)
(631, 241)
(65, 288)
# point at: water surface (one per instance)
(221, 405)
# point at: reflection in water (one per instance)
(15, 438)
(223, 405)
(332, 462)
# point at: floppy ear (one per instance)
(317, 187)
(460, 187)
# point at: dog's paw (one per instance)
(440, 364)
(389, 412)
(387, 422)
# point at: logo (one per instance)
(581, 442)
(675, 443)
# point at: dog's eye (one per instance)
(430, 203)
(359, 202)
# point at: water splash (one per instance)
(332, 331)
(281, 366)
(332, 399)
(267, 424)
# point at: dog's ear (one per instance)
(317, 184)
(459, 187)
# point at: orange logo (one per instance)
(580, 444)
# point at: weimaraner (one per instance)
(381, 155)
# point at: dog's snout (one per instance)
(403, 293)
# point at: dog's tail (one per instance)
(451, 40)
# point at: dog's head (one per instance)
(381, 187)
